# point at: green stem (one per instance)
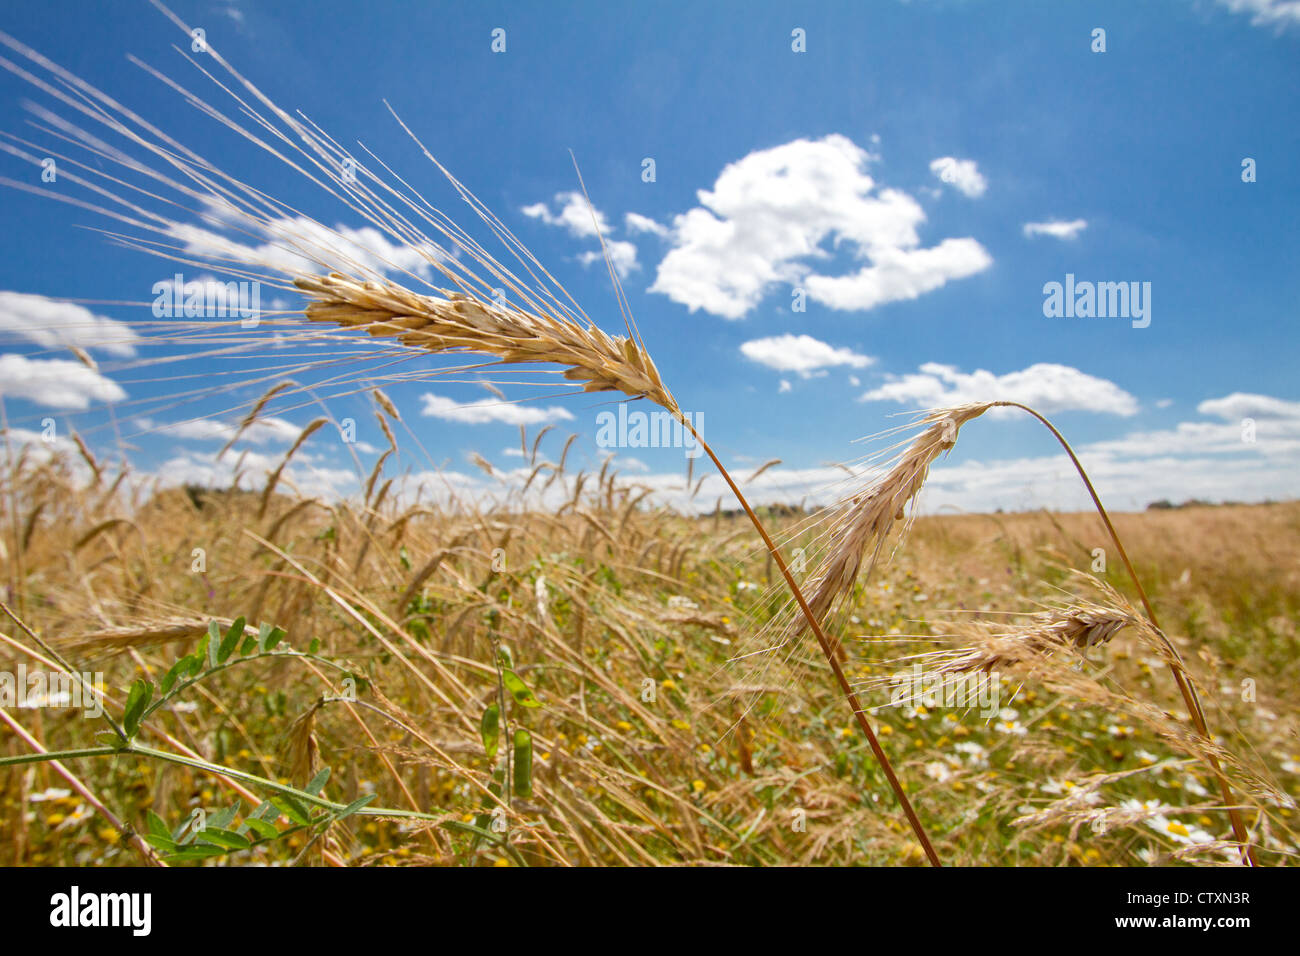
(141, 750)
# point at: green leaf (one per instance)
(266, 811)
(249, 645)
(356, 805)
(489, 729)
(292, 808)
(267, 643)
(161, 843)
(523, 763)
(156, 826)
(213, 642)
(136, 701)
(314, 646)
(519, 690)
(318, 782)
(264, 830)
(197, 658)
(222, 818)
(504, 659)
(220, 836)
(169, 679)
(231, 640)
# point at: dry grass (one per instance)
(682, 777)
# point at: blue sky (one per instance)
(917, 174)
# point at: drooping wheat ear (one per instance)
(459, 322)
(863, 521)
(1076, 627)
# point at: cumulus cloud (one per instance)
(303, 245)
(1274, 431)
(54, 324)
(901, 274)
(479, 413)
(572, 214)
(55, 383)
(961, 174)
(621, 253)
(802, 354)
(261, 432)
(1239, 405)
(768, 215)
(1056, 228)
(304, 475)
(1267, 12)
(1046, 387)
(586, 222)
(637, 223)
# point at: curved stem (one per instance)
(828, 650)
(1176, 666)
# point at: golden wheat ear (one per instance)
(462, 323)
(858, 527)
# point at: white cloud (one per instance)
(479, 413)
(304, 245)
(962, 174)
(800, 353)
(574, 215)
(621, 253)
(1275, 432)
(54, 324)
(637, 223)
(768, 216)
(1056, 228)
(1267, 12)
(784, 387)
(901, 274)
(261, 432)
(199, 468)
(56, 383)
(1239, 405)
(1044, 386)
